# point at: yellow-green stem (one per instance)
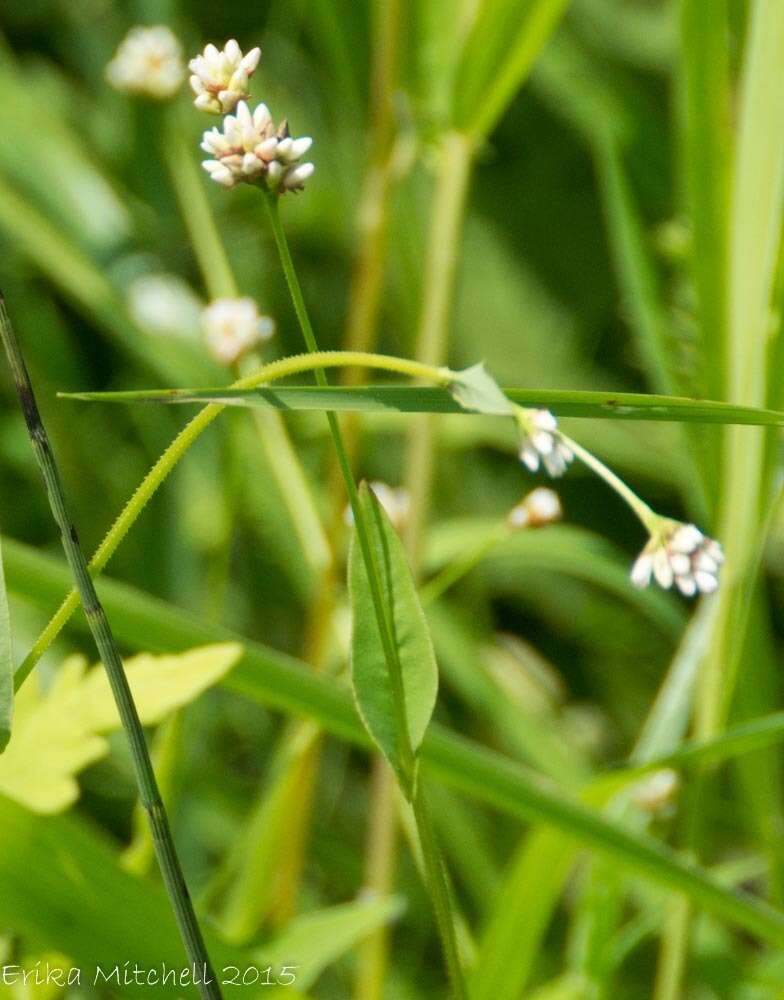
(436, 877)
(187, 436)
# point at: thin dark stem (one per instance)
(107, 648)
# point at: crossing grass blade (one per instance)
(281, 682)
(427, 399)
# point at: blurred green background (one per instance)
(574, 271)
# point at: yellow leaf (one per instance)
(58, 733)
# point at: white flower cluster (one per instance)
(251, 149)
(234, 326)
(220, 77)
(540, 442)
(539, 507)
(679, 553)
(148, 62)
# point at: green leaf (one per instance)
(64, 890)
(59, 733)
(427, 399)
(278, 681)
(6, 666)
(476, 389)
(316, 940)
(506, 38)
(373, 685)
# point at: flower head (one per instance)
(679, 553)
(396, 501)
(251, 149)
(541, 506)
(220, 77)
(233, 326)
(541, 443)
(148, 62)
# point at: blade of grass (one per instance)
(589, 404)
(280, 682)
(6, 666)
(109, 653)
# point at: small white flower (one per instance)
(220, 77)
(541, 506)
(541, 443)
(655, 793)
(148, 62)
(396, 501)
(679, 553)
(233, 326)
(164, 304)
(251, 149)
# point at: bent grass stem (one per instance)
(149, 793)
(179, 446)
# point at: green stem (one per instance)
(189, 189)
(458, 568)
(646, 514)
(435, 873)
(179, 446)
(360, 525)
(107, 647)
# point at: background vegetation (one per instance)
(610, 198)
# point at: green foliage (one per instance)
(60, 731)
(6, 666)
(373, 682)
(619, 262)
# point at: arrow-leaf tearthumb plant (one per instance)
(149, 794)
(393, 669)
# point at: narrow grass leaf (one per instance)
(506, 38)
(281, 682)
(6, 666)
(312, 942)
(370, 676)
(426, 399)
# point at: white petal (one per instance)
(232, 50)
(687, 585)
(706, 582)
(261, 116)
(641, 570)
(662, 569)
(529, 457)
(686, 538)
(543, 442)
(680, 563)
(300, 146)
(251, 60)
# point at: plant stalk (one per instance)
(436, 877)
(107, 647)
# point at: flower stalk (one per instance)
(435, 873)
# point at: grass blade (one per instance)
(6, 666)
(281, 682)
(427, 399)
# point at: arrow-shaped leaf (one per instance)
(371, 677)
